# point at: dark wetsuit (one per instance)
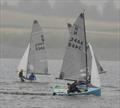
(21, 76)
(73, 88)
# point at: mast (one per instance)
(85, 52)
(30, 48)
(29, 56)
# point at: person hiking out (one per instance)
(21, 76)
(73, 87)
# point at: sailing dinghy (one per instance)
(34, 59)
(79, 62)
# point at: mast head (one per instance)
(69, 25)
(35, 22)
(82, 15)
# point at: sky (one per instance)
(105, 32)
(99, 3)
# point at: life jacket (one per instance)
(32, 77)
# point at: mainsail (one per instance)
(100, 68)
(34, 59)
(37, 59)
(74, 62)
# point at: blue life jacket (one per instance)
(32, 77)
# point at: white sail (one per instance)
(89, 56)
(100, 68)
(73, 66)
(37, 59)
(24, 61)
(95, 79)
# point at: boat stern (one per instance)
(95, 91)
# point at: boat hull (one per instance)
(62, 91)
(39, 79)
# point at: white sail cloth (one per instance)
(74, 60)
(34, 59)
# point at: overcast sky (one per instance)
(99, 3)
(101, 34)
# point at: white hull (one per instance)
(41, 79)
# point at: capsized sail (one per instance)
(37, 58)
(95, 79)
(74, 62)
(24, 61)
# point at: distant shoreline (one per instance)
(59, 59)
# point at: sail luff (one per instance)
(87, 75)
(29, 51)
(27, 59)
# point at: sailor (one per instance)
(21, 75)
(61, 75)
(73, 87)
(80, 82)
(32, 77)
(69, 88)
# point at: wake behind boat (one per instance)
(79, 63)
(34, 61)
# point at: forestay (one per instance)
(37, 59)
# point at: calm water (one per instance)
(14, 94)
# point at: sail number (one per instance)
(76, 29)
(75, 43)
(39, 46)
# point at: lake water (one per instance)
(14, 94)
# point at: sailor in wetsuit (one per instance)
(73, 87)
(21, 76)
